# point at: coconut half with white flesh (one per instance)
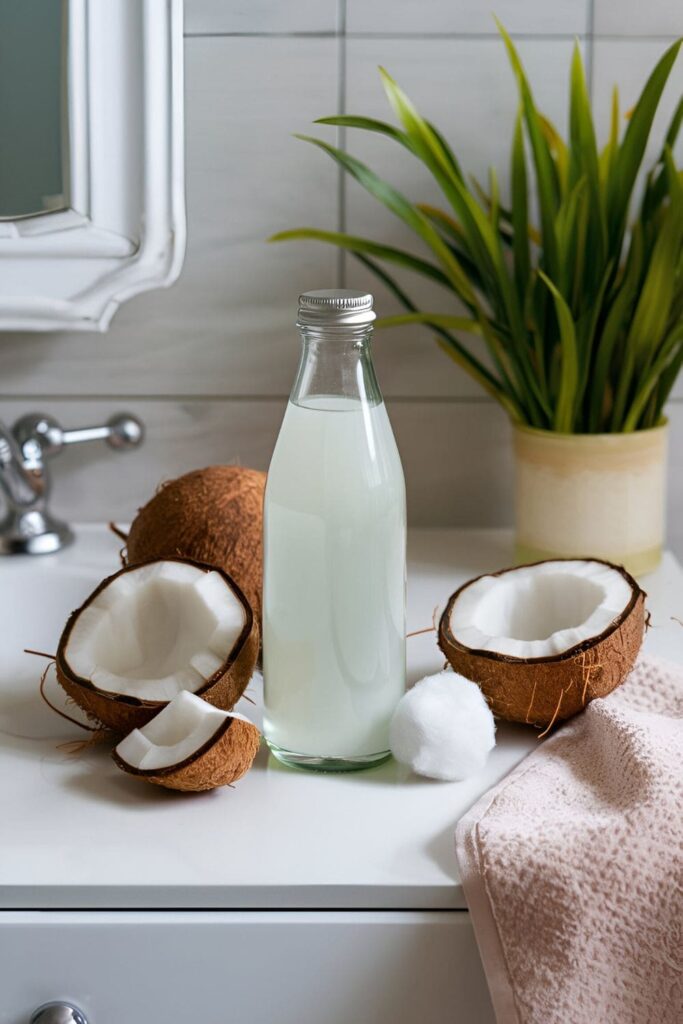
(543, 640)
(190, 746)
(152, 631)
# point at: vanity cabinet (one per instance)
(259, 967)
(294, 898)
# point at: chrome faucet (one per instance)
(28, 527)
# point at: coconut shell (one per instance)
(541, 691)
(212, 515)
(122, 713)
(222, 760)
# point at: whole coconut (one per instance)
(212, 515)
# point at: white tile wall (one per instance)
(210, 17)
(635, 18)
(467, 17)
(454, 453)
(209, 363)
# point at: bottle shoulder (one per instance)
(345, 441)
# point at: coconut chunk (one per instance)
(190, 746)
(181, 728)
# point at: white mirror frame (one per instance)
(124, 232)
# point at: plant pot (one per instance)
(591, 495)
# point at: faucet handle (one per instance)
(28, 527)
(41, 436)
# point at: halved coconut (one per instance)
(190, 745)
(542, 640)
(151, 631)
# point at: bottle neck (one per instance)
(337, 363)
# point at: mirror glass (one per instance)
(33, 123)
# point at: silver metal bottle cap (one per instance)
(335, 307)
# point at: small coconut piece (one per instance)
(212, 515)
(190, 746)
(543, 640)
(151, 631)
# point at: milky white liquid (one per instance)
(334, 580)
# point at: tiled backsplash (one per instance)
(209, 363)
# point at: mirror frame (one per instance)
(124, 232)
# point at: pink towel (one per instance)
(573, 865)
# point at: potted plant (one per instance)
(574, 325)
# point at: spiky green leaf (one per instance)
(406, 211)
(520, 212)
(546, 175)
(450, 322)
(356, 244)
(368, 124)
(630, 155)
(563, 420)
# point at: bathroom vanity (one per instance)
(294, 897)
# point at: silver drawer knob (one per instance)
(58, 1013)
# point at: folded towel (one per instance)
(573, 865)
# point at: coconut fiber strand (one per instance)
(572, 866)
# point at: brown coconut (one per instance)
(121, 713)
(222, 760)
(541, 691)
(212, 515)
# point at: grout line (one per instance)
(407, 399)
(341, 138)
(322, 34)
(131, 397)
(332, 33)
(483, 36)
(519, 36)
(218, 398)
(617, 37)
(529, 37)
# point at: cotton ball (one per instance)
(443, 727)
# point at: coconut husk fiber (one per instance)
(212, 515)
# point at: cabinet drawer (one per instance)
(247, 967)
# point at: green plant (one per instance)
(576, 326)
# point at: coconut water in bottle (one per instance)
(334, 559)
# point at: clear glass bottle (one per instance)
(335, 541)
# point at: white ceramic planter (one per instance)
(591, 495)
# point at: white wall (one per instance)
(208, 365)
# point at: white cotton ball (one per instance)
(443, 727)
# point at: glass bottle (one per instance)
(335, 543)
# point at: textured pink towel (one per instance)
(573, 865)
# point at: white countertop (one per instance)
(77, 833)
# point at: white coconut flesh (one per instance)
(539, 611)
(155, 631)
(180, 729)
